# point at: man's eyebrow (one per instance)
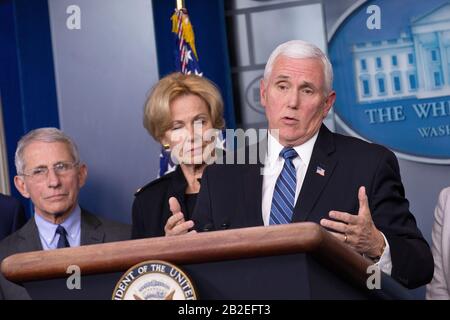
(281, 77)
(307, 84)
(304, 84)
(39, 166)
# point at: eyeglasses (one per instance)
(41, 173)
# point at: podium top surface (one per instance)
(204, 247)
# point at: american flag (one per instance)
(186, 57)
(186, 61)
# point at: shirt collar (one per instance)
(304, 150)
(72, 225)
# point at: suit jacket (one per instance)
(94, 230)
(348, 164)
(439, 288)
(151, 204)
(12, 215)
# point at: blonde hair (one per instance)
(157, 118)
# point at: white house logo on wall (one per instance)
(252, 95)
(154, 280)
(395, 89)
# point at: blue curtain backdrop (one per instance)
(27, 82)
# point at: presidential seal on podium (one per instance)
(154, 280)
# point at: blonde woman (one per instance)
(179, 112)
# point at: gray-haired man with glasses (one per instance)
(50, 173)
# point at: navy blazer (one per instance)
(231, 197)
(12, 215)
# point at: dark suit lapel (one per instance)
(253, 195)
(253, 180)
(177, 189)
(91, 229)
(319, 172)
(29, 237)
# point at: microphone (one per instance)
(208, 227)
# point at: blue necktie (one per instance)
(62, 242)
(284, 193)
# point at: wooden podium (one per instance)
(293, 261)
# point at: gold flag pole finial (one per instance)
(180, 4)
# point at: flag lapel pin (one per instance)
(320, 171)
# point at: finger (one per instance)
(181, 228)
(180, 221)
(343, 238)
(192, 232)
(343, 216)
(334, 225)
(363, 201)
(174, 205)
(339, 236)
(173, 221)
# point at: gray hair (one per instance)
(299, 49)
(43, 135)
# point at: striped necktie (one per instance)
(284, 193)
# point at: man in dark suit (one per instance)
(350, 187)
(12, 215)
(50, 173)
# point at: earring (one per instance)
(166, 146)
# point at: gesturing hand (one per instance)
(176, 224)
(358, 231)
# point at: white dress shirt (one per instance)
(272, 169)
